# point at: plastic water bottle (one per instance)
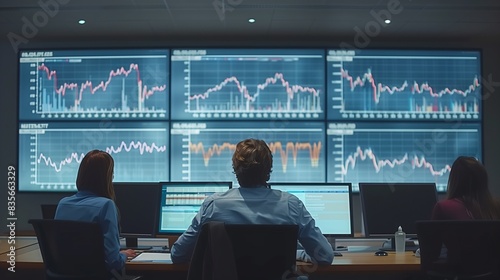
(400, 240)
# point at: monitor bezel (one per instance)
(154, 229)
(365, 222)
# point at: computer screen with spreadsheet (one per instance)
(181, 201)
(330, 204)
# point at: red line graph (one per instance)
(143, 93)
(278, 77)
(142, 147)
(275, 147)
(378, 164)
(415, 88)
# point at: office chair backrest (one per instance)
(264, 251)
(459, 247)
(48, 211)
(255, 251)
(71, 249)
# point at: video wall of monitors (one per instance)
(328, 115)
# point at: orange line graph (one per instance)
(277, 147)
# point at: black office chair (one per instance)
(73, 250)
(240, 252)
(459, 249)
(48, 211)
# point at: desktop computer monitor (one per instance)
(137, 204)
(181, 201)
(386, 206)
(330, 204)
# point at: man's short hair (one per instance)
(252, 163)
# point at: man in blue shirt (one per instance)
(255, 203)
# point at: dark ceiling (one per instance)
(58, 19)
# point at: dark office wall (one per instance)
(28, 204)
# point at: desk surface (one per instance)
(20, 242)
(29, 257)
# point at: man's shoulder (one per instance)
(221, 195)
(287, 196)
(267, 194)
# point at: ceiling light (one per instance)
(82, 21)
(387, 21)
(251, 20)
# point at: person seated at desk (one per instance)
(256, 203)
(94, 202)
(468, 196)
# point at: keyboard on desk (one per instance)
(159, 256)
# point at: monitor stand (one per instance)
(331, 240)
(132, 243)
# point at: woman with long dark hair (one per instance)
(94, 202)
(468, 196)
